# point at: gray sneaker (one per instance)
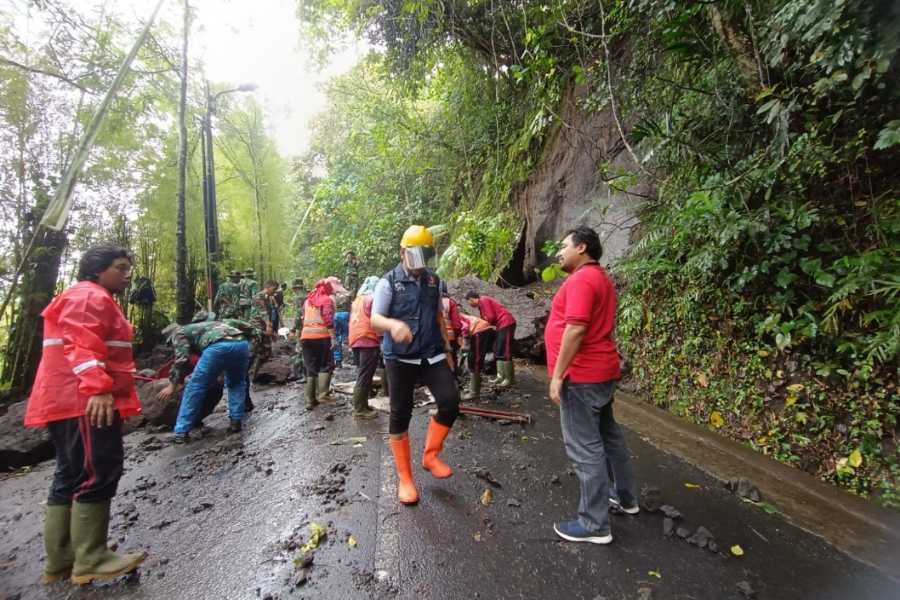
(616, 505)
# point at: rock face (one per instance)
(530, 306)
(19, 446)
(580, 179)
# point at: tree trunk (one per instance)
(183, 293)
(23, 351)
(740, 46)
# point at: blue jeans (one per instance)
(594, 442)
(341, 333)
(232, 358)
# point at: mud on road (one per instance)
(301, 505)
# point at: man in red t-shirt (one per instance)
(498, 316)
(584, 365)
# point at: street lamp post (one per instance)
(211, 222)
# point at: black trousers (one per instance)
(317, 356)
(503, 343)
(402, 380)
(478, 349)
(368, 360)
(89, 461)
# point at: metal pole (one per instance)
(210, 288)
(213, 238)
(213, 206)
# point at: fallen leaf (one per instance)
(656, 574)
(737, 550)
(795, 388)
(692, 486)
(351, 541)
(790, 400)
(716, 419)
(801, 417)
(317, 534)
(349, 441)
(477, 537)
(487, 498)
(762, 353)
(702, 380)
(855, 459)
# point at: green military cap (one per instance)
(235, 274)
(202, 315)
(169, 331)
(249, 273)
(297, 283)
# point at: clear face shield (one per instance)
(416, 257)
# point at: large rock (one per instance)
(154, 410)
(530, 305)
(276, 371)
(164, 412)
(585, 176)
(21, 446)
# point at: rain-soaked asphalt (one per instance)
(226, 518)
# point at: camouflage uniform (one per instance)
(228, 301)
(261, 320)
(351, 275)
(249, 288)
(194, 339)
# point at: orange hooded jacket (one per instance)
(87, 352)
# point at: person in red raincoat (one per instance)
(83, 390)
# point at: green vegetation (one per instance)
(52, 82)
(763, 294)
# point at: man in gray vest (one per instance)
(406, 307)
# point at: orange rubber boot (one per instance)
(406, 489)
(434, 443)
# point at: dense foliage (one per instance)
(762, 296)
(57, 60)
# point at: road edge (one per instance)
(857, 527)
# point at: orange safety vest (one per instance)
(361, 323)
(477, 325)
(448, 325)
(314, 327)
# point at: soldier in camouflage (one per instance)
(351, 273)
(261, 319)
(223, 348)
(299, 291)
(228, 299)
(249, 288)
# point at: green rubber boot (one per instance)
(501, 373)
(58, 543)
(474, 390)
(94, 561)
(361, 408)
(324, 386)
(310, 388)
(509, 374)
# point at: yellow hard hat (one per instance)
(417, 235)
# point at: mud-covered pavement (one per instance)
(228, 516)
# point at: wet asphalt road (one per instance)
(225, 517)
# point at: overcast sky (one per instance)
(258, 41)
(248, 41)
